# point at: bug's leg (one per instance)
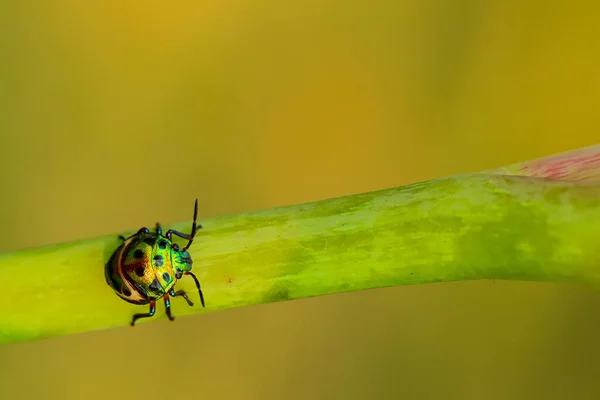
(198, 286)
(158, 228)
(146, 315)
(168, 306)
(141, 230)
(189, 237)
(181, 293)
(171, 232)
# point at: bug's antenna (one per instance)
(194, 227)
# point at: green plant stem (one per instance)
(475, 226)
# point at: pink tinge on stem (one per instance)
(582, 164)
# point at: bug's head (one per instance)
(182, 260)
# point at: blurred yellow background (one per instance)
(116, 114)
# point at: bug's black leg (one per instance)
(149, 314)
(168, 306)
(158, 228)
(182, 294)
(141, 230)
(180, 234)
(189, 237)
(198, 286)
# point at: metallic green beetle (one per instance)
(148, 264)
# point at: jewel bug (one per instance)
(147, 265)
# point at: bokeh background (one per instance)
(116, 114)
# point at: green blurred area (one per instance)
(116, 114)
